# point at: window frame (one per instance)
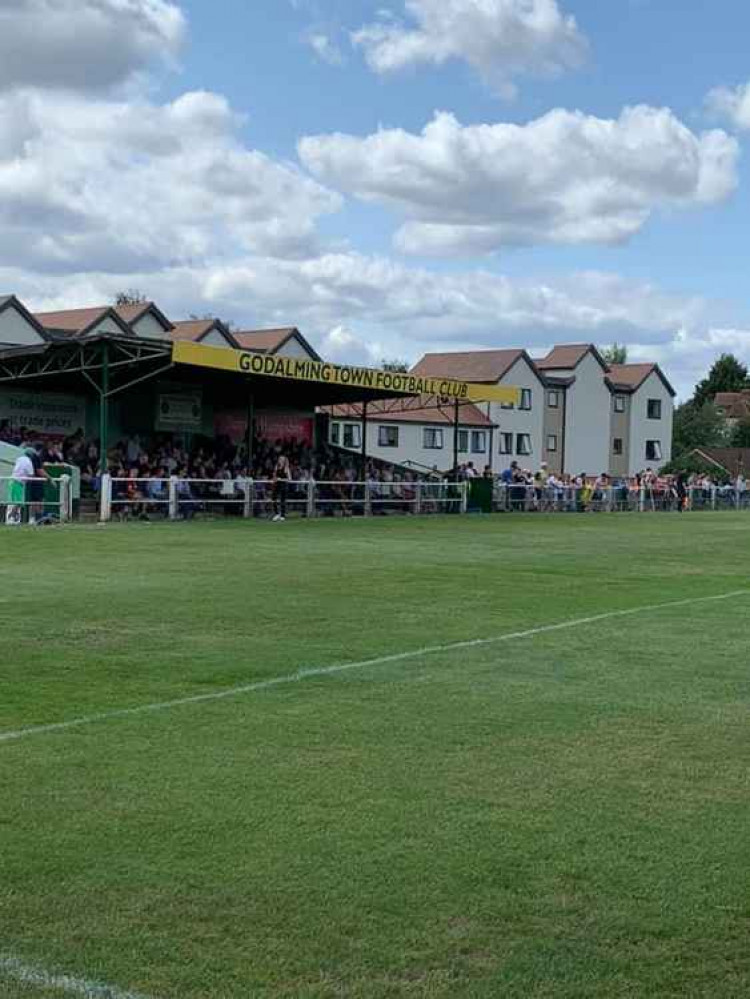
(335, 432)
(519, 451)
(619, 403)
(505, 438)
(657, 451)
(526, 400)
(463, 441)
(437, 436)
(553, 393)
(657, 403)
(386, 429)
(475, 435)
(552, 448)
(355, 429)
(618, 452)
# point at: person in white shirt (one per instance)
(23, 471)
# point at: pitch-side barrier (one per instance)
(18, 505)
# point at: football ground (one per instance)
(450, 757)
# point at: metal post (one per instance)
(66, 506)
(465, 496)
(174, 506)
(363, 443)
(250, 434)
(105, 498)
(418, 497)
(456, 422)
(310, 499)
(368, 497)
(247, 504)
(713, 497)
(104, 409)
(642, 499)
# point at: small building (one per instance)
(641, 419)
(734, 407)
(421, 436)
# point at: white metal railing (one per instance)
(181, 498)
(19, 506)
(522, 498)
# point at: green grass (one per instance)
(564, 815)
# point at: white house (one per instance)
(641, 418)
(422, 437)
(519, 434)
(577, 382)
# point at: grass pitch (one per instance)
(562, 815)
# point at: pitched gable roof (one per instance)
(630, 377)
(271, 341)
(78, 322)
(734, 460)
(735, 405)
(135, 312)
(568, 356)
(195, 330)
(11, 302)
(469, 414)
(469, 366)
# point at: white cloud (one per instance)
(133, 184)
(731, 104)
(360, 309)
(84, 45)
(325, 48)
(500, 39)
(565, 178)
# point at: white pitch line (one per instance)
(14, 969)
(397, 657)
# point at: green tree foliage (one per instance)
(697, 426)
(726, 375)
(616, 354)
(741, 435)
(131, 296)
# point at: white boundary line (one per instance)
(12, 968)
(304, 674)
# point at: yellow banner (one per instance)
(307, 370)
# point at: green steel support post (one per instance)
(104, 410)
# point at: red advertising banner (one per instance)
(276, 426)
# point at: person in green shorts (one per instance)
(23, 471)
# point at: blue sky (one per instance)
(267, 161)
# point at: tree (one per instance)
(394, 366)
(741, 434)
(726, 375)
(616, 354)
(131, 296)
(697, 426)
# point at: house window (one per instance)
(653, 450)
(335, 433)
(523, 444)
(463, 441)
(478, 442)
(552, 442)
(506, 443)
(525, 399)
(352, 435)
(432, 438)
(617, 446)
(553, 399)
(388, 436)
(653, 409)
(619, 403)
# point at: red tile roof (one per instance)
(132, 313)
(631, 376)
(264, 341)
(734, 460)
(71, 320)
(566, 356)
(468, 366)
(736, 405)
(192, 329)
(470, 415)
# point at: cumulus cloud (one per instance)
(84, 45)
(564, 178)
(731, 104)
(325, 48)
(132, 184)
(500, 39)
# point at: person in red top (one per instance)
(281, 476)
